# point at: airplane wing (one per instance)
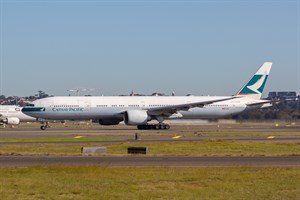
(168, 110)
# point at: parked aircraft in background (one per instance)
(139, 110)
(12, 115)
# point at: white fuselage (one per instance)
(85, 108)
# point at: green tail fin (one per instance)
(254, 88)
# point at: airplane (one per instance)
(139, 110)
(12, 115)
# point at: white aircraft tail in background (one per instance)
(12, 115)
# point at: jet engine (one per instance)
(136, 117)
(11, 121)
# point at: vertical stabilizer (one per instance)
(254, 88)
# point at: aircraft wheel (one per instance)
(43, 128)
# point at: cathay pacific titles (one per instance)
(67, 109)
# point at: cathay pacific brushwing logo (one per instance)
(257, 85)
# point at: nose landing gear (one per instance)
(45, 126)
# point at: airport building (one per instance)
(284, 96)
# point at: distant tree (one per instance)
(31, 97)
(2, 96)
(41, 94)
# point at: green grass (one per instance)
(196, 148)
(92, 182)
(212, 148)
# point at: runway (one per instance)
(114, 135)
(209, 161)
(57, 131)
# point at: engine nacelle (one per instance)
(136, 117)
(109, 121)
(11, 121)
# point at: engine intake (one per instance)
(136, 117)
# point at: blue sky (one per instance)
(196, 47)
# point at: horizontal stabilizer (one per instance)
(263, 102)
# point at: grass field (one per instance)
(150, 183)
(195, 148)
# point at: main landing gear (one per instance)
(45, 126)
(154, 127)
